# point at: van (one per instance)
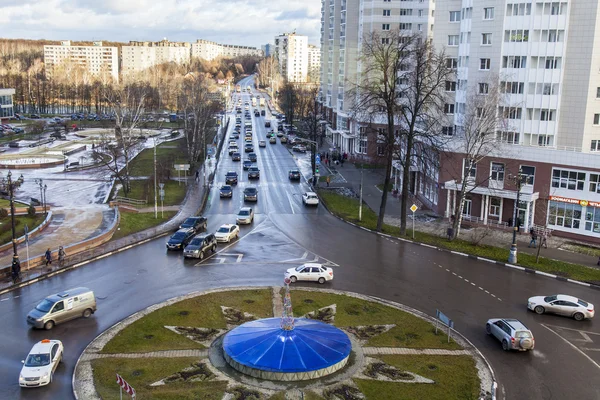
(62, 307)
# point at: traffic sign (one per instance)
(414, 208)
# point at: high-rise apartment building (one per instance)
(343, 27)
(291, 50)
(267, 49)
(96, 59)
(314, 63)
(208, 50)
(138, 56)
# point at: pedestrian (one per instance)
(598, 263)
(61, 256)
(16, 271)
(197, 175)
(48, 257)
(544, 241)
(327, 180)
(519, 225)
(327, 155)
(342, 161)
(533, 235)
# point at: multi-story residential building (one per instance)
(291, 50)
(343, 27)
(314, 63)
(542, 57)
(96, 59)
(138, 56)
(6, 104)
(267, 49)
(208, 50)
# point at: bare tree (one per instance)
(475, 139)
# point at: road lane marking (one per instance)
(573, 346)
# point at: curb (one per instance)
(113, 330)
(516, 267)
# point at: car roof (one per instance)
(184, 230)
(68, 293)
(515, 323)
(226, 226)
(44, 346)
(246, 209)
(567, 298)
(310, 193)
(312, 265)
(231, 172)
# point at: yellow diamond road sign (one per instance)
(414, 208)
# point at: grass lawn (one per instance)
(308, 395)
(410, 331)
(137, 222)
(6, 204)
(347, 208)
(455, 379)
(20, 222)
(141, 372)
(149, 333)
(144, 190)
(143, 163)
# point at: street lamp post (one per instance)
(11, 185)
(512, 256)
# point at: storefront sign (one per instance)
(582, 203)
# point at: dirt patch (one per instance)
(243, 393)
(198, 334)
(197, 372)
(326, 314)
(184, 313)
(236, 317)
(408, 338)
(343, 392)
(248, 301)
(379, 368)
(368, 331)
(149, 337)
(309, 301)
(137, 372)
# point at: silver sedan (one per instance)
(562, 304)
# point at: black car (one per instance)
(194, 223)
(247, 164)
(253, 173)
(262, 112)
(236, 156)
(231, 177)
(280, 127)
(180, 239)
(250, 194)
(294, 175)
(249, 148)
(34, 116)
(226, 191)
(252, 157)
(267, 124)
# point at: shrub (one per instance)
(31, 211)
(3, 213)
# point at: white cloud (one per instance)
(244, 22)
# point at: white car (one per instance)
(310, 199)
(227, 232)
(310, 272)
(41, 362)
(562, 304)
(245, 216)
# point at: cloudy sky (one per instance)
(243, 22)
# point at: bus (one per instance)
(254, 102)
(238, 88)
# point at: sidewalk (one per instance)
(349, 176)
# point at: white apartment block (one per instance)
(96, 59)
(138, 56)
(314, 63)
(343, 26)
(6, 104)
(208, 50)
(291, 50)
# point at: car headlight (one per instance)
(196, 251)
(21, 377)
(45, 376)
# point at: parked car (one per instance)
(226, 191)
(200, 245)
(62, 307)
(250, 194)
(253, 173)
(512, 333)
(247, 164)
(561, 304)
(310, 199)
(245, 216)
(294, 174)
(227, 232)
(41, 363)
(231, 177)
(267, 124)
(180, 239)
(299, 148)
(283, 139)
(262, 112)
(194, 223)
(313, 272)
(252, 157)
(34, 116)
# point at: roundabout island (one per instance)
(245, 343)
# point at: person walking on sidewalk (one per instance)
(327, 180)
(16, 271)
(61, 257)
(533, 237)
(544, 240)
(48, 257)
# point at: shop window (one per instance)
(565, 215)
(592, 219)
(594, 183)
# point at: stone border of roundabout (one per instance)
(83, 379)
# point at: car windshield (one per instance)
(244, 212)
(582, 303)
(45, 306)
(300, 268)
(37, 360)
(226, 188)
(223, 229)
(548, 299)
(178, 236)
(189, 221)
(250, 191)
(523, 334)
(195, 242)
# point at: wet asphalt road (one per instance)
(564, 364)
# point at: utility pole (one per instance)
(155, 201)
(361, 194)
(512, 256)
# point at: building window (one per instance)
(594, 183)
(546, 115)
(565, 179)
(484, 88)
(514, 62)
(448, 130)
(497, 172)
(516, 35)
(488, 13)
(451, 63)
(495, 205)
(380, 150)
(406, 11)
(453, 40)
(486, 39)
(595, 145)
(484, 64)
(385, 27)
(469, 168)
(450, 86)
(454, 16)
(508, 137)
(592, 219)
(552, 63)
(544, 140)
(528, 173)
(449, 108)
(564, 214)
(512, 87)
(518, 9)
(387, 13)
(596, 119)
(406, 27)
